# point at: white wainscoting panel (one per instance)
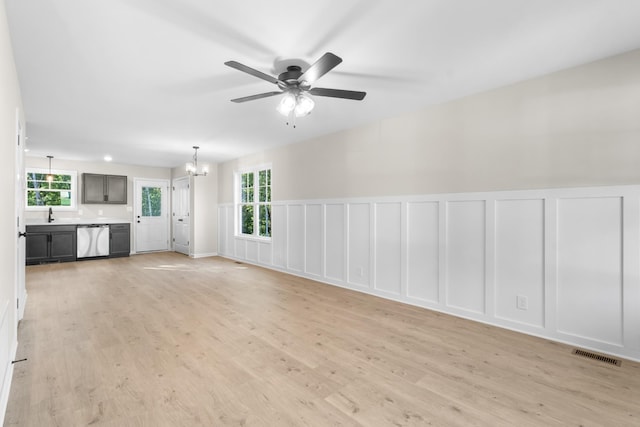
(562, 264)
(359, 243)
(388, 247)
(519, 261)
(335, 242)
(295, 234)
(423, 246)
(465, 253)
(313, 240)
(279, 235)
(264, 253)
(252, 250)
(240, 247)
(590, 268)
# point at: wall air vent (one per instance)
(601, 358)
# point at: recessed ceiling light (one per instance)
(107, 158)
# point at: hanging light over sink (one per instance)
(50, 175)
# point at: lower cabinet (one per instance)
(58, 243)
(50, 243)
(119, 242)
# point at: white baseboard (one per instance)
(204, 255)
(24, 305)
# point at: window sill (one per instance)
(46, 208)
(253, 238)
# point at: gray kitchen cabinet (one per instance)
(104, 189)
(119, 242)
(50, 243)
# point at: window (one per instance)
(151, 201)
(59, 193)
(254, 203)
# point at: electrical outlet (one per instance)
(99, 211)
(522, 302)
(360, 271)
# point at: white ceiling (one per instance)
(145, 80)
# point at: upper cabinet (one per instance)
(104, 189)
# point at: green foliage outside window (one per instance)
(41, 192)
(264, 213)
(151, 201)
(247, 187)
(265, 220)
(247, 219)
(254, 211)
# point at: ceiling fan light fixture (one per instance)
(287, 104)
(304, 105)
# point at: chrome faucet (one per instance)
(50, 215)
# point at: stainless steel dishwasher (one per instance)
(92, 240)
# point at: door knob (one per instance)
(22, 234)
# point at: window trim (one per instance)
(256, 203)
(74, 189)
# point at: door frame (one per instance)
(136, 207)
(173, 210)
(20, 248)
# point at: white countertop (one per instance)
(74, 221)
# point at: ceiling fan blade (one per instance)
(253, 97)
(319, 68)
(253, 72)
(338, 93)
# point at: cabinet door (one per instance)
(116, 189)
(119, 244)
(93, 188)
(37, 247)
(63, 246)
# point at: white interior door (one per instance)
(151, 222)
(181, 218)
(21, 290)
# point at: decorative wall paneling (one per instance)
(563, 264)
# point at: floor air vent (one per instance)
(601, 358)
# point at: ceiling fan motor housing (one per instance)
(289, 79)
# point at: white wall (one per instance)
(91, 211)
(413, 207)
(573, 254)
(10, 100)
(577, 127)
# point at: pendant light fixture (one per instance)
(192, 168)
(50, 176)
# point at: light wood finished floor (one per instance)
(164, 340)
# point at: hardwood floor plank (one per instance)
(165, 340)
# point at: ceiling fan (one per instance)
(296, 85)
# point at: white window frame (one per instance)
(74, 189)
(256, 203)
